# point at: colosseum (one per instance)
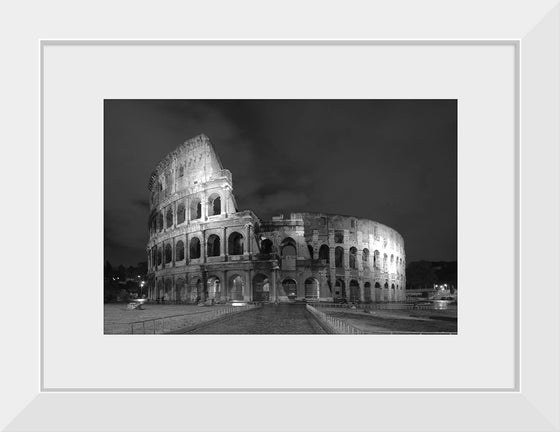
(202, 248)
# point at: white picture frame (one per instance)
(532, 404)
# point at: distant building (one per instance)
(202, 248)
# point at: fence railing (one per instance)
(377, 306)
(334, 324)
(175, 322)
(341, 326)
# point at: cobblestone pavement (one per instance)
(269, 319)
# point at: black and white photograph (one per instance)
(312, 217)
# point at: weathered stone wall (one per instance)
(201, 248)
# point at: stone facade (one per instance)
(202, 248)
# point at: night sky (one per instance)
(393, 161)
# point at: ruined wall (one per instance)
(202, 248)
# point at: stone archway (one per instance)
(261, 288)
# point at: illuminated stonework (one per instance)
(202, 248)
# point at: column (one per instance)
(225, 243)
(203, 246)
(248, 226)
(224, 286)
(173, 252)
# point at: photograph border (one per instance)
(533, 405)
(315, 42)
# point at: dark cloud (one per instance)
(391, 161)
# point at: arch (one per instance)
(384, 262)
(159, 256)
(377, 285)
(194, 248)
(180, 289)
(160, 288)
(310, 248)
(261, 288)
(160, 221)
(236, 287)
(181, 171)
(352, 257)
(392, 262)
(354, 291)
(365, 257)
(215, 204)
(386, 292)
(180, 251)
(213, 246)
(168, 253)
(311, 288)
(339, 289)
(288, 247)
(169, 218)
(367, 293)
(168, 289)
(196, 209)
(266, 246)
(235, 244)
(288, 250)
(290, 288)
(392, 286)
(339, 257)
(324, 253)
(180, 213)
(376, 259)
(214, 288)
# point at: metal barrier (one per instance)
(340, 326)
(174, 322)
(336, 325)
(377, 306)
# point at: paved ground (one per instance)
(270, 319)
(382, 321)
(117, 317)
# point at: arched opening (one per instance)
(160, 221)
(266, 246)
(261, 288)
(367, 293)
(169, 218)
(324, 253)
(288, 247)
(354, 291)
(179, 251)
(194, 248)
(352, 257)
(365, 258)
(310, 248)
(196, 209)
(339, 257)
(215, 204)
(376, 259)
(180, 213)
(213, 288)
(311, 288)
(168, 253)
(385, 262)
(235, 244)
(168, 289)
(236, 284)
(386, 292)
(339, 289)
(289, 287)
(159, 256)
(160, 288)
(213, 246)
(180, 289)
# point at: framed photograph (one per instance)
(91, 92)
